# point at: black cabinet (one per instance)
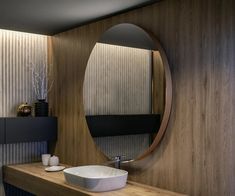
(125, 124)
(29, 129)
(2, 131)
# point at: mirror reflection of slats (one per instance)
(111, 74)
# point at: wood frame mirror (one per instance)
(129, 35)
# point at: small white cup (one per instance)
(54, 161)
(45, 159)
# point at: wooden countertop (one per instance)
(32, 178)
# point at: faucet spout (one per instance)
(117, 161)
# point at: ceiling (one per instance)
(53, 16)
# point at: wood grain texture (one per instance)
(33, 178)
(197, 153)
(158, 87)
(167, 96)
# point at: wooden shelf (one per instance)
(27, 129)
(33, 178)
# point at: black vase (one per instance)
(41, 108)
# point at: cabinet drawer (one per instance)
(30, 129)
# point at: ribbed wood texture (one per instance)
(128, 146)
(118, 80)
(17, 52)
(197, 153)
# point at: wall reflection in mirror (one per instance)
(124, 98)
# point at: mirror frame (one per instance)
(168, 97)
(168, 91)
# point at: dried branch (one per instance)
(40, 80)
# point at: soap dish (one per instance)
(54, 168)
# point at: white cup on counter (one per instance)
(54, 161)
(45, 159)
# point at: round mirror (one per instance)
(127, 92)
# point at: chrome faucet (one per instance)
(117, 161)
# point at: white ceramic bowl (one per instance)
(96, 178)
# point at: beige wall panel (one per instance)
(17, 51)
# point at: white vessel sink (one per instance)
(96, 178)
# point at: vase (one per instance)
(24, 110)
(41, 108)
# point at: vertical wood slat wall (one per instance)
(197, 153)
(17, 51)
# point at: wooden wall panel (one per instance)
(158, 87)
(197, 154)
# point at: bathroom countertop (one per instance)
(32, 178)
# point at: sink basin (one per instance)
(96, 178)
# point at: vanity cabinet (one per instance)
(27, 129)
(34, 179)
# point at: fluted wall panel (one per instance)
(19, 51)
(118, 81)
